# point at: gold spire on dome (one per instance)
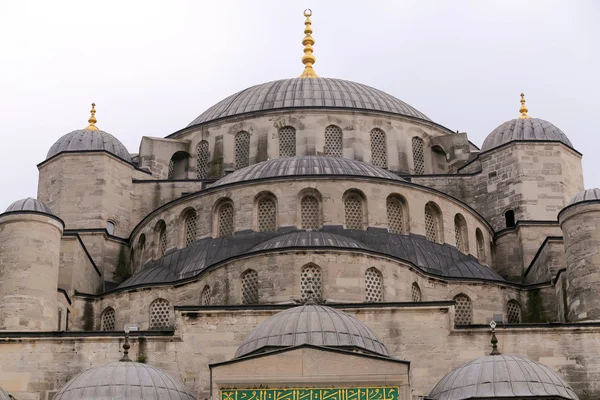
(523, 110)
(308, 59)
(92, 126)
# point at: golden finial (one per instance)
(523, 110)
(92, 126)
(308, 59)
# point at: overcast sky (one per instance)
(153, 66)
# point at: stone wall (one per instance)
(77, 272)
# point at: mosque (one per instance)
(305, 239)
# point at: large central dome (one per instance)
(298, 93)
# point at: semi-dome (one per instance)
(307, 166)
(585, 195)
(524, 129)
(298, 93)
(124, 380)
(502, 377)
(29, 204)
(312, 324)
(87, 140)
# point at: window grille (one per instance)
(310, 283)
(160, 314)
(458, 237)
(190, 228)
(373, 285)
(378, 148)
(162, 240)
(309, 213)
(267, 215)
(250, 287)
(415, 292)
(431, 224)
(460, 233)
(463, 310)
(205, 297)
(418, 155)
(108, 320)
(202, 160)
(225, 220)
(333, 141)
(354, 212)
(395, 216)
(242, 149)
(513, 312)
(287, 142)
(171, 172)
(480, 246)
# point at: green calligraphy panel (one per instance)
(361, 393)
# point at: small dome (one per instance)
(86, 140)
(312, 324)
(297, 93)
(585, 195)
(124, 380)
(4, 395)
(306, 166)
(501, 377)
(524, 129)
(29, 204)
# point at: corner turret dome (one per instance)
(29, 204)
(585, 195)
(312, 324)
(524, 129)
(502, 377)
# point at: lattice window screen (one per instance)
(141, 250)
(480, 246)
(418, 155)
(333, 141)
(162, 241)
(395, 216)
(267, 215)
(431, 224)
(378, 148)
(415, 292)
(160, 314)
(250, 287)
(464, 310)
(225, 220)
(108, 320)
(309, 213)
(190, 228)
(287, 142)
(354, 212)
(310, 283)
(513, 312)
(242, 149)
(202, 160)
(205, 296)
(171, 169)
(458, 234)
(373, 286)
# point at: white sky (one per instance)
(153, 66)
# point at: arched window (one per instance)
(310, 283)
(242, 149)
(463, 310)
(395, 215)
(287, 142)
(333, 141)
(178, 165)
(107, 320)
(354, 211)
(249, 287)
(461, 234)
(110, 227)
(509, 217)
(205, 296)
(310, 212)
(225, 225)
(480, 246)
(432, 222)
(513, 312)
(171, 170)
(415, 292)
(378, 148)
(161, 230)
(190, 227)
(373, 285)
(266, 211)
(418, 155)
(202, 160)
(160, 315)
(141, 250)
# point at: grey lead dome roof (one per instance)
(85, 140)
(585, 195)
(504, 377)
(307, 93)
(307, 166)
(29, 204)
(124, 380)
(524, 129)
(315, 325)
(4, 395)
